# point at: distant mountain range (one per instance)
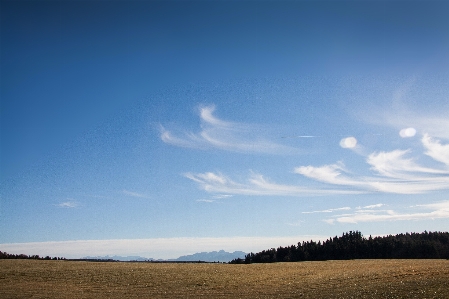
(214, 256)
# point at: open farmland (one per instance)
(327, 279)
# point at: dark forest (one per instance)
(353, 245)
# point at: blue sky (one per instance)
(167, 128)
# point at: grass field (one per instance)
(328, 279)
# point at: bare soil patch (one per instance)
(327, 279)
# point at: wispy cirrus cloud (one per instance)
(371, 206)
(394, 164)
(134, 194)
(436, 150)
(68, 204)
(328, 210)
(215, 133)
(331, 174)
(215, 198)
(222, 196)
(439, 210)
(206, 200)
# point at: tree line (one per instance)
(5, 255)
(353, 245)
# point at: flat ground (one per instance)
(328, 279)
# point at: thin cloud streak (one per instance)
(222, 196)
(256, 185)
(229, 136)
(328, 210)
(436, 150)
(206, 200)
(134, 194)
(372, 206)
(438, 211)
(68, 204)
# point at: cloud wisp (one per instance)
(372, 206)
(134, 194)
(436, 150)
(432, 211)
(328, 210)
(256, 185)
(215, 198)
(219, 134)
(68, 204)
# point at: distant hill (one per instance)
(214, 256)
(118, 258)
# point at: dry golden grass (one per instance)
(328, 279)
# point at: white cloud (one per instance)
(438, 210)
(191, 142)
(373, 206)
(328, 210)
(440, 206)
(221, 196)
(157, 248)
(331, 174)
(348, 142)
(408, 132)
(436, 150)
(224, 135)
(393, 164)
(207, 116)
(134, 194)
(206, 200)
(215, 198)
(68, 204)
